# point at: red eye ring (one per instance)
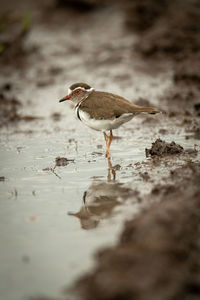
(78, 91)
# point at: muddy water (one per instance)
(43, 247)
(40, 242)
(52, 220)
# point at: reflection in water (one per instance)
(100, 200)
(110, 170)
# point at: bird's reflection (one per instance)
(100, 200)
(110, 170)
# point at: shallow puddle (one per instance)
(53, 220)
(41, 241)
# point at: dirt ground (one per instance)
(151, 54)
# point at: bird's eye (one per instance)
(78, 91)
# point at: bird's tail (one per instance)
(149, 110)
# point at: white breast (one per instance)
(102, 124)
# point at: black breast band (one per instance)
(77, 111)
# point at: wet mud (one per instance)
(177, 39)
(62, 161)
(62, 201)
(14, 27)
(157, 254)
(9, 110)
(161, 148)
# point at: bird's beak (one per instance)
(65, 98)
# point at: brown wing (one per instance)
(101, 105)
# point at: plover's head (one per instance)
(77, 92)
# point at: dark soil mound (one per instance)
(160, 148)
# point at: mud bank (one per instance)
(176, 44)
(157, 254)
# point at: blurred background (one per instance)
(144, 50)
(103, 43)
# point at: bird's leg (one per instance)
(106, 137)
(109, 143)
